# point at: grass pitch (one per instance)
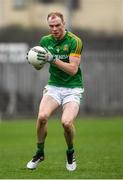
(98, 146)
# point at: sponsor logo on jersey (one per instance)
(63, 56)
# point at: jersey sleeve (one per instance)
(76, 47)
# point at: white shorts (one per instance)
(63, 95)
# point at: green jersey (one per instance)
(70, 45)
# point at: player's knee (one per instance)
(66, 125)
(42, 118)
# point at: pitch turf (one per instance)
(98, 145)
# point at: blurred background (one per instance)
(99, 23)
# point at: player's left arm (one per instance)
(70, 68)
(74, 58)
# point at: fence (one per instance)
(21, 85)
(103, 71)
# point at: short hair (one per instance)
(54, 14)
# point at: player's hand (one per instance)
(47, 57)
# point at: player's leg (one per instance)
(70, 111)
(47, 106)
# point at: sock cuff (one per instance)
(40, 145)
(70, 146)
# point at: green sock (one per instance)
(40, 148)
(70, 148)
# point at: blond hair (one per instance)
(54, 14)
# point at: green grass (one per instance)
(98, 145)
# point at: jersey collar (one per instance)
(61, 40)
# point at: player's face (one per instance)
(57, 27)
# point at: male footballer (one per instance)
(64, 87)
